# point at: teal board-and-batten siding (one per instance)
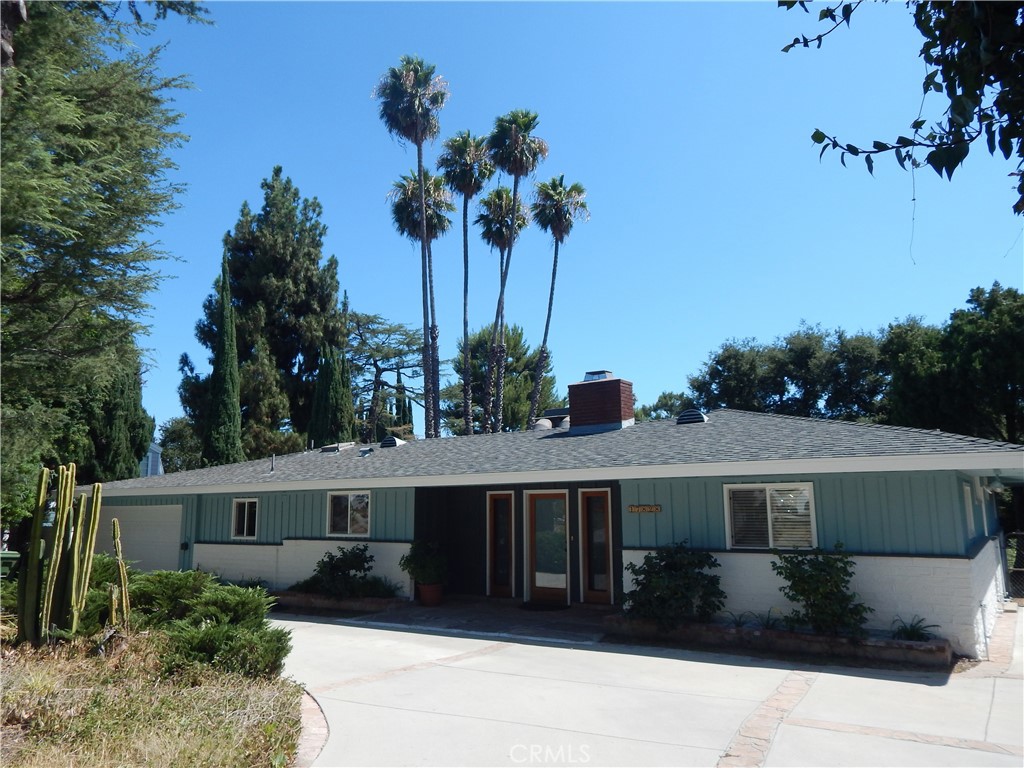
(906, 513)
(284, 515)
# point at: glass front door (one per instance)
(595, 528)
(549, 550)
(500, 556)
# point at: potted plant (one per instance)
(426, 564)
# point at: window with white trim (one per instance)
(763, 516)
(348, 514)
(243, 524)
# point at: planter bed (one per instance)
(297, 601)
(935, 653)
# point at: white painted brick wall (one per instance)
(282, 565)
(961, 596)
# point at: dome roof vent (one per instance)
(391, 442)
(691, 416)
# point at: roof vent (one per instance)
(691, 416)
(541, 424)
(597, 375)
(364, 452)
(333, 448)
(391, 442)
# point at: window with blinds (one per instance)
(770, 515)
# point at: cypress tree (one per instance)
(333, 411)
(223, 438)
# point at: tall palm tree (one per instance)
(406, 201)
(516, 151)
(499, 229)
(555, 208)
(410, 96)
(466, 168)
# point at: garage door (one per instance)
(150, 536)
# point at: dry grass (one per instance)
(66, 707)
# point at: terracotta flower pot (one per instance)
(430, 594)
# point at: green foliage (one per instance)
(674, 586)
(424, 562)
(159, 597)
(347, 574)
(181, 446)
(667, 406)
(243, 650)
(87, 129)
(333, 417)
(520, 367)
(972, 57)
(222, 433)
(916, 630)
(220, 625)
(381, 353)
(819, 582)
(285, 298)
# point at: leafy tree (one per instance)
(555, 210)
(499, 227)
(516, 151)
(119, 431)
(382, 353)
(983, 349)
(285, 297)
(520, 367)
(182, 448)
(222, 434)
(410, 97)
(667, 406)
(972, 55)
(740, 374)
(86, 129)
(466, 167)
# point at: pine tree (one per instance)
(222, 442)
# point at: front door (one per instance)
(500, 554)
(549, 548)
(595, 535)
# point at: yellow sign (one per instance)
(644, 508)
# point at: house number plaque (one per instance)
(644, 508)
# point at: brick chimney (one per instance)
(600, 403)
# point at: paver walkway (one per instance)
(409, 693)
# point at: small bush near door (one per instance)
(347, 574)
(819, 582)
(674, 586)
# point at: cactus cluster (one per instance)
(64, 556)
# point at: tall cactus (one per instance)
(30, 570)
(69, 555)
(122, 572)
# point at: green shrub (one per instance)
(916, 629)
(162, 596)
(819, 582)
(8, 595)
(253, 650)
(228, 604)
(673, 586)
(347, 574)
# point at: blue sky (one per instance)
(711, 215)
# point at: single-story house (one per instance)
(556, 513)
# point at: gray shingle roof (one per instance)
(728, 441)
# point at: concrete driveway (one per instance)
(404, 696)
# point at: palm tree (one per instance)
(406, 201)
(466, 168)
(410, 97)
(555, 209)
(499, 229)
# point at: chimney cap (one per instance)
(597, 375)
